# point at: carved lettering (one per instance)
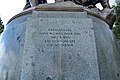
(60, 37)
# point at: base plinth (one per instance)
(58, 45)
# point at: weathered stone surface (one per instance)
(58, 14)
(108, 55)
(23, 48)
(118, 45)
(11, 49)
(60, 48)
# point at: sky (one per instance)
(9, 8)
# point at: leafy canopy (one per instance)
(116, 29)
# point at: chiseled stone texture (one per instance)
(11, 49)
(26, 52)
(48, 57)
(118, 45)
(108, 55)
(58, 14)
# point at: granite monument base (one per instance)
(58, 45)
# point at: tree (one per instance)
(1, 26)
(116, 29)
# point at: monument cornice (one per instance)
(57, 8)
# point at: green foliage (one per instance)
(1, 26)
(116, 29)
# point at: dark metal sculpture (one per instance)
(30, 3)
(107, 13)
(27, 5)
(92, 3)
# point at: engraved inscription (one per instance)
(60, 37)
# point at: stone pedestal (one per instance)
(58, 45)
